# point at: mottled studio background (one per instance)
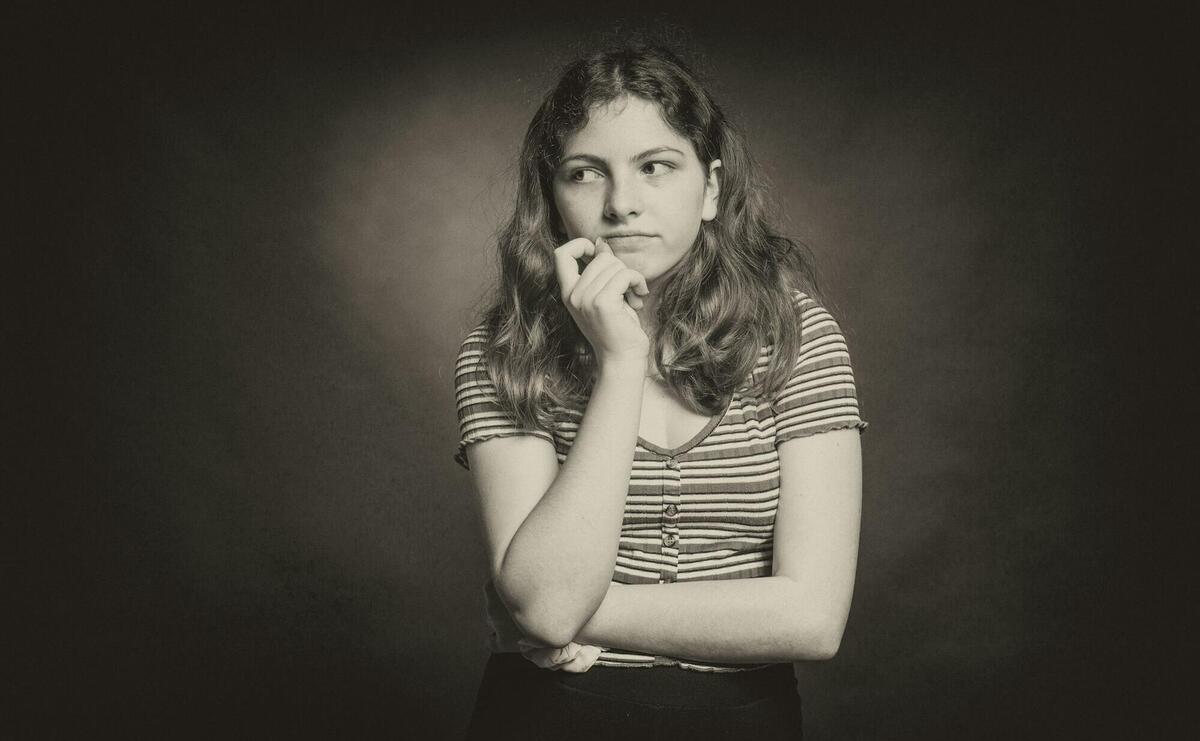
(261, 237)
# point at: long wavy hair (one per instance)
(732, 294)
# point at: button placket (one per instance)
(670, 520)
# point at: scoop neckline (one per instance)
(695, 439)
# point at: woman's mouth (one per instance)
(628, 240)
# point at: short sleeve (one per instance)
(480, 417)
(820, 396)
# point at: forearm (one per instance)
(559, 563)
(766, 619)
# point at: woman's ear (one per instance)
(712, 191)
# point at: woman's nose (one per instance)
(624, 198)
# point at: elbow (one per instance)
(814, 626)
(540, 617)
(545, 627)
(819, 641)
(825, 645)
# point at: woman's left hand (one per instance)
(575, 658)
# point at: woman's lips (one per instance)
(628, 241)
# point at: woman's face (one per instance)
(629, 177)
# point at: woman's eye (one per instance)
(657, 168)
(584, 176)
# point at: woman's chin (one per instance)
(649, 269)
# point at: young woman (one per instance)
(661, 424)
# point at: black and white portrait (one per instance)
(573, 371)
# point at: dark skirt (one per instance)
(522, 701)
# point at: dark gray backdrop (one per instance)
(265, 238)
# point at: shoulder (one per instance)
(470, 367)
(816, 324)
(474, 344)
(820, 394)
(476, 340)
(821, 335)
(815, 319)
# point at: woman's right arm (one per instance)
(553, 530)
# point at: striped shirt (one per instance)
(705, 509)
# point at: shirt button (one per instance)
(671, 511)
(670, 539)
(672, 464)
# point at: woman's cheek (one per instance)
(569, 214)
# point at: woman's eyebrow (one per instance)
(593, 159)
(656, 150)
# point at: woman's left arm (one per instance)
(798, 613)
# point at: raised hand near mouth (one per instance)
(603, 300)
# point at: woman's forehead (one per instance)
(628, 124)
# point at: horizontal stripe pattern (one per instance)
(479, 416)
(704, 510)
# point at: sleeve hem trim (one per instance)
(460, 457)
(859, 425)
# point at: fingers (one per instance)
(583, 660)
(574, 658)
(547, 657)
(544, 658)
(604, 274)
(566, 266)
(597, 282)
(559, 656)
(602, 257)
(624, 283)
(637, 290)
(638, 287)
